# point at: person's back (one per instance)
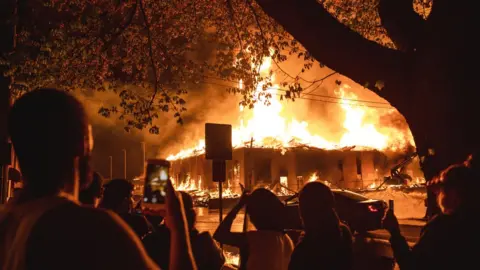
(326, 243)
(268, 250)
(56, 233)
(44, 227)
(207, 254)
(268, 247)
(323, 253)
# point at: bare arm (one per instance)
(181, 256)
(223, 233)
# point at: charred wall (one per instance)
(263, 166)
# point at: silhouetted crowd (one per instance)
(66, 217)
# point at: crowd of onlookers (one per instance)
(66, 217)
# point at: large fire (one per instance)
(266, 127)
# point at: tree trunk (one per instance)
(403, 25)
(433, 86)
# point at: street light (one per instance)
(124, 163)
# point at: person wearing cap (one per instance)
(449, 240)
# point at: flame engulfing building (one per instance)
(272, 146)
(251, 167)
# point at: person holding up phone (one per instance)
(267, 247)
(157, 176)
(45, 227)
(449, 240)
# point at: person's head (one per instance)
(456, 188)
(190, 213)
(117, 196)
(265, 210)
(93, 193)
(317, 208)
(52, 139)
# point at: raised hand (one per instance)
(390, 222)
(174, 216)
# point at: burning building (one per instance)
(272, 148)
(342, 168)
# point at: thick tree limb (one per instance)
(342, 49)
(404, 26)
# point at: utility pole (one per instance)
(110, 160)
(8, 19)
(124, 163)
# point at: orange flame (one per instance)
(266, 127)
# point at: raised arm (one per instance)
(181, 256)
(223, 233)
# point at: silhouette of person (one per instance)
(207, 254)
(326, 243)
(117, 196)
(449, 240)
(91, 195)
(45, 227)
(268, 247)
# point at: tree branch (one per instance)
(404, 26)
(321, 80)
(75, 54)
(232, 15)
(341, 48)
(152, 62)
(265, 43)
(122, 28)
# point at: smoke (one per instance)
(395, 120)
(205, 103)
(318, 105)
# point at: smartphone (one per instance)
(390, 205)
(155, 187)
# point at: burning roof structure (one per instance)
(272, 147)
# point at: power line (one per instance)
(317, 100)
(309, 93)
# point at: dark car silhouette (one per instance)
(360, 213)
